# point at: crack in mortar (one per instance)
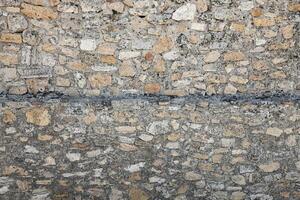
(255, 98)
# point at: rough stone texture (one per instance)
(149, 149)
(181, 45)
(149, 99)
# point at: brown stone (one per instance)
(106, 49)
(44, 137)
(238, 27)
(17, 90)
(269, 167)
(23, 185)
(90, 118)
(43, 2)
(77, 65)
(294, 7)
(99, 80)
(278, 75)
(12, 169)
(38, 116)
(202, 5)
(152, 88)
(159, 65)
(256, 12)
(11, 38)
(238, 79)
(137, 194)
(38, 12)
(234, 56)
(288, 31)
(8, 59)
(8, 117)
(263, 22)
(149, 56)
(173, 137)
(111, 60)
(62, 82)
(260, 65)
(127, 147)
(37, 85)
(163, 44)
(126, 69)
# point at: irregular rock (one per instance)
(138, 194)
(212, 56)
(125, 55)
(16, 23)
(88, 44)
(38, 12)
(99, 80)
(274, 131)
(185, 12)
(38, 116)
(192, 176)
(269, 167)
(11, 38)
(73, 156)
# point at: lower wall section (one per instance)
(138, 150)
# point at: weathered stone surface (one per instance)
(8, 59)
(185, 12)
(38, 116)
(11, 37)
(270, 167)
(16, 22)
(234, 56)
(99, 80)
(38, 12)
(274, 131)
(212, 56)
(149, 99)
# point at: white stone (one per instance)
(156, 179)
(172, 145)
(298, 165)
(10, 130)
(192, 176)
(246, 5)
(212, 56)
(146, 137)
(125, 55)
(49, 161)
(199, 26)
(73, 156)
(30, 149)
(4, 189)
(185, 12)
(136, 167)
(274, 131)
(99, 68)
(80, 79)
(172, 55)
(158, 127)
(94, 153)
(88, 44)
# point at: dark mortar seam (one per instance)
(255, 98)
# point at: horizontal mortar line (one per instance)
(254, 98)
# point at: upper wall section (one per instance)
(97, 47)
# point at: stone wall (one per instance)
(93, 47)
(149, 99)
